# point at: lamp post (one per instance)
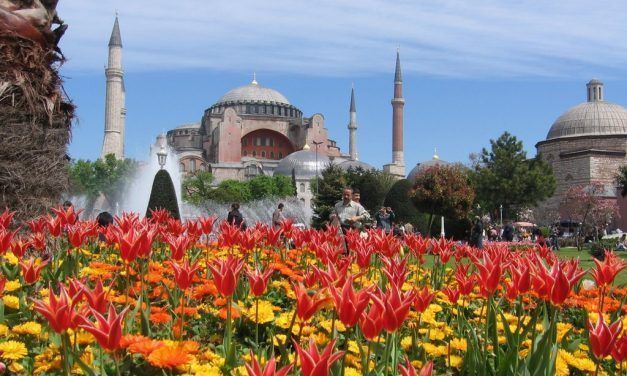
(317, 143)
(501, 209)
(162, 155)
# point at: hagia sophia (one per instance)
(253, 130)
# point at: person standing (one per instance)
(385, 217)
(278, 217)
(476, 234)
(348, 213)
(235, 217)
(508, 232)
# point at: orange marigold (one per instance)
(160, 318)
(145, 347)
(169, 357)
(129, 339)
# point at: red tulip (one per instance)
(423, 299)
(371, 322)
(619, 352)
(521, 276)
(59, 311)
(409, 370)
(490, 269)
(96, 298)
(229, 234)
(314, 363)
(258, 281)
(307, 306)
(206, 223)
(226, 273)
(130, 243)
(178, 245)
(446, 254)
(603, 337)
(254, 369)
(127, 221)
(3, 282)
(6, 237)
(30, 272)
(287, 227)
(107, 331)
(273, 237)
(37, 225)
(387, 244)
(5, 218)
(67, 216)
(396, 307)
(465, 282)
(452, 294)
(159, 216)
(38, 241)
(184, 274)
(54, 226)
(19, 246)
(76, 234)
(607, 269)
(561, 281)
(348, 303)
(395, 270)
(363, 253)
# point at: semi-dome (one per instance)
(422, 166)
(253, 92)
(348, 164)
(303, 162)
(595, 117)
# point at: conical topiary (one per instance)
(163, 195)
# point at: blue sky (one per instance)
(471, 69)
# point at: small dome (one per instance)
(420, 167)
(595, 117)
(303, 162)
(254, 92)
(355, 164)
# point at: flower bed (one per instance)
(160, 296)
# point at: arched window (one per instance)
(280, 155)
(182, 167)
(192, 165)
(272, 154)
(263, 154)
(302, 187)
(254, 154)
(245, 153)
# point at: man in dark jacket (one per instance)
(235, 217)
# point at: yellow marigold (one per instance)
(13, 350)
(406, 342)
(350, 371)
(4, 330)
(279, 339)
(11, 301)
(328, 324)
(169, 357)
(562, 329)
(582, 363)
(320, 338)
(16, 368)
(12, 285)
(434, 350)
(561, 367)
(459, 344)
(205, 370)
(284, 320)
(265, 314)
(10, 258)
(454, 361)
(30, 327)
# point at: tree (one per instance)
(230, 190)
(399, 199)
(373, 185)
(163, 196)
(591, 206)
(330, 186)
(621, 179)
(443, 190)
(197, 187)
(109, 177)
(284, 187)
(504, 176)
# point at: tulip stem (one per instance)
(64, 354)
(182, 314)
(257, 329)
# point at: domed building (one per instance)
(303, 165)
(247, 132)
(587, 143)
(422, 166)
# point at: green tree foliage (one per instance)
(621, 179)
(109, 177)
(443, 190)
(373, 185)
(399, 199)
(504, 176)
(330, 186)
(197, 187)
(163, 196)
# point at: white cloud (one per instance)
(338, 37)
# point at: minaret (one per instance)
(397, 167)
(115, 113)
(352, 129)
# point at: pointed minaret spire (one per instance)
(398, 75)
(352, 128)
(254, 81)
(116, 37)
(115, 111)
(397, 167)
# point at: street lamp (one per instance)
(317, 143)
(501, 208)
(162, 155)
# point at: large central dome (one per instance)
(592, 118)
(253, 92)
